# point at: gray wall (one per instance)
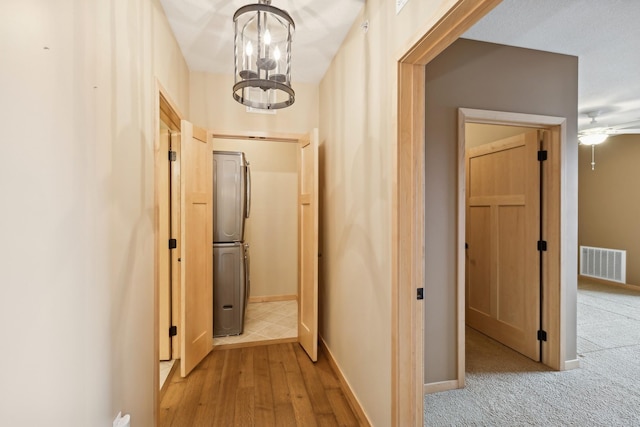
(487, 76)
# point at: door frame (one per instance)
(524, 145)
(552, 350)
(407, 257)
(164, 108)
(293, 138)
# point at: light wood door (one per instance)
(196, 255)
(308, 244)
(164, 261)
(176, 267)
(502, 231)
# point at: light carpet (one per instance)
(505, 388)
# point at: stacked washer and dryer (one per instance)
(231, 205)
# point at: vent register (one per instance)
(602, 263)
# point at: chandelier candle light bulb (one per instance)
(263, 82)
(276, 56)
(248, 50)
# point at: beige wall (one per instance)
(491, 77)
(609, 206)
(78, 191)
(358, 109)
(213, 107)
(77, 186)
(272, 229)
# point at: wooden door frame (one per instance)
(164, 108)
(553, 184)
(293, 138)
(407, 314)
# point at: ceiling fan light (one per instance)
(593, 138)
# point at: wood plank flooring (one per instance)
(270, 385)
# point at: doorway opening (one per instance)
(509, 193)
(408, 272)
(503, 281)
(166, 224)
(183, 249)
(271, 232)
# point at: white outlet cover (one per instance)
(400, 4)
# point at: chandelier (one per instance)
(262, 51)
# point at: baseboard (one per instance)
(254, 343)
(587, 279)
(164, 387)
(273, 298)
(351, 398)
(440, 386)
(571, 364)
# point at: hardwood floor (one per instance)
(257, 386)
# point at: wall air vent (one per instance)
(605, 264)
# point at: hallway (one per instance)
(265, 385)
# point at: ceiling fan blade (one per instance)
(625, 131)
(627, 125)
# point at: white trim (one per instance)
(441, 386)
(509, 119)
(571, 364)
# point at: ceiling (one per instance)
(603, 34)
(204, 30)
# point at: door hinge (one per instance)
(172, 156)
(173, 331)
(420, 293)
(542, 245)
(542, 335)
(542, 155)
(173, 243)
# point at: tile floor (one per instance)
(266, 321)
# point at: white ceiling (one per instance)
(604, 34)
(204, 30)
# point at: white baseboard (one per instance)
(440, 386)
(571, 364)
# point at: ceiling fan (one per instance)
(596, 134)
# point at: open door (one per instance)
(163, 193)
(308, 244)
(503, 225)
(196, 254)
